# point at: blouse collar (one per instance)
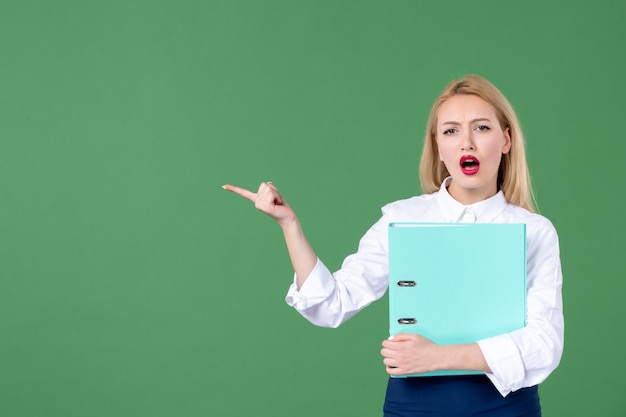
(482, 212)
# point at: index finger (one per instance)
(241, 191)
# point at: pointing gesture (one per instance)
(268, 200)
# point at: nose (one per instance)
(467, 143)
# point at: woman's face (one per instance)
(471, 144)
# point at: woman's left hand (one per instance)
(409, 354)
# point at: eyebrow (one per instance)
(480, 119)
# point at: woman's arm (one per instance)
(527, 356)
(406, 354)
(269, 201)
(327, 299)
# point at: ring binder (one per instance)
(472, 281)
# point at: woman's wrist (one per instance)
(466, 357)
(289, 224)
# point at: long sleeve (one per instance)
(327, 299)
(527, 356)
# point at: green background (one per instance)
(131, 284)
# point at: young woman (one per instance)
(473, 169)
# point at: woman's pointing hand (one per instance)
(268, 200)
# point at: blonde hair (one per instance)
(513, 175)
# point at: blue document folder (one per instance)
(455, 282)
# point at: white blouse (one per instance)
(519, 359)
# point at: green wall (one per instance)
(131, 284)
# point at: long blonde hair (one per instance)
(513, 175)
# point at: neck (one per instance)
(469, 196)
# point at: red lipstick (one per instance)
(469, 164)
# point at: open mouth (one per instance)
(469, 164)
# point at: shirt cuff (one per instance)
(505, 362)
(319, 281)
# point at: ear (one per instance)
(507, 138)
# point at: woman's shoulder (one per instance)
(535, 222)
